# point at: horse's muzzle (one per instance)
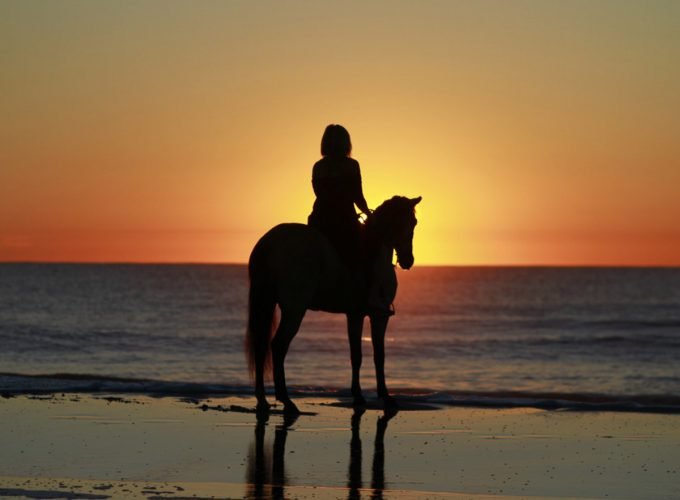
(406, 263)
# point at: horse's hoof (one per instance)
(290, 409)
(390, 404)
(262, 406)
(289, 420)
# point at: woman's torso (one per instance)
(336, 182)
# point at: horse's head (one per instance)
(394, 222)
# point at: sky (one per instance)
(537, 133)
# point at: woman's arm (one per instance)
(359, 199)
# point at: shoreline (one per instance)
(18, 384)
(112, 445)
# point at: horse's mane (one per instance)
(396, 203)
(386, 218)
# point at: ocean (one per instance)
(557, 337)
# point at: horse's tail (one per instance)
(261, 315)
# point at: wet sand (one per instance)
(93, 446)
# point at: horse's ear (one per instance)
(415, 201)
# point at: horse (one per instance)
(295, 267)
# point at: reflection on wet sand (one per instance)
(266, 474)
(354, 480)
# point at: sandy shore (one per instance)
(94, 446)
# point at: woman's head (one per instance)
(336, 141)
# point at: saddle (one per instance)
(374, 282)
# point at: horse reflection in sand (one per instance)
(293, 266)
(266, 474)
(354, 477)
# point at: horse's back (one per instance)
(299, 262)
(291, 241)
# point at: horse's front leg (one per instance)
(378, 329)
(355, 326)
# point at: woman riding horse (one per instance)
(299, 267)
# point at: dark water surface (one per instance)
(573, 331)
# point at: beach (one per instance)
(80, 445)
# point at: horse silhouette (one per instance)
(295, 267)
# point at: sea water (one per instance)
(581, 334)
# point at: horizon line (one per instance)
(429, 265)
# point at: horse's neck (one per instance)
(383, 286)
(383, 255)
(379, 252)
(381, 260)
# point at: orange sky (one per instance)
(536, 132)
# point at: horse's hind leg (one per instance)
(355, 326)
(288, 327)
(262, 404)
